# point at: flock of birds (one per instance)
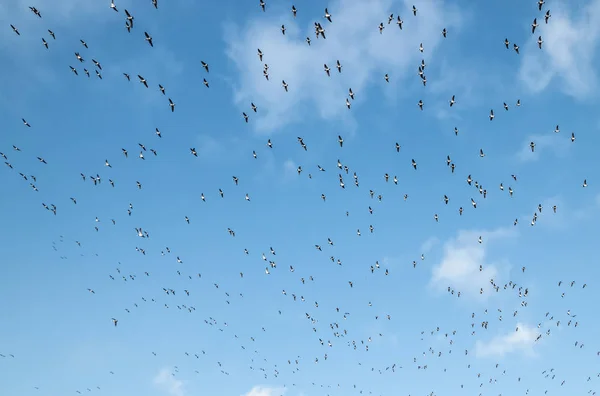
(335, 333)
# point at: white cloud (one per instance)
(567, 54)
(521, 339)
(171, 385)
(459, 267)
(558, 144)
(353, 38)
(265, 391)
(429, 244)
(290, 169)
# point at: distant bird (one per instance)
(142, 80)
(534, 25)
(149, 39)
(35, 11)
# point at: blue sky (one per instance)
(56, 337)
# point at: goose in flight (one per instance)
(294, 11)
(113, 6)
(35, 11)
(205, 65)
(540, 4)
(327, 15)
(143, 81)
(414, 10)
(149, 39)
(15, 30)
(129, 20)
(172, 105)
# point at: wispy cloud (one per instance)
(553, 143)
(567, 54)
(290, 169)
(429, 244)
(265, 391)
(521, 340)
(167, 382)
(463, 256)
(353, 38)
